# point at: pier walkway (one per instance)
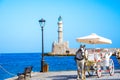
(69, 75)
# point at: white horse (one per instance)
(80, 58)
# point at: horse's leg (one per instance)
(83, 75)
(78, 71)
(78, 74)
(83, 70)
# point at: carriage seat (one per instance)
(94, 57)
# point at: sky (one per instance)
(20, 31)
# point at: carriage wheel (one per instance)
(91, 71)
(111, 67)
(99, 71)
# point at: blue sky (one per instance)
(21, 32)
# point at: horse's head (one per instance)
(82, 50)
(81, 53)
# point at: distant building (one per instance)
(60, 46)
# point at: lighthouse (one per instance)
(60, 30)
(60, 46)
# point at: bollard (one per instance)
(45, 67)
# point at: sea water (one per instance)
(11, 64)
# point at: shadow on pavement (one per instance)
(63, 77)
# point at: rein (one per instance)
(80, 52)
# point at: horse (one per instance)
(80, 57)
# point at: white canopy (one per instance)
(94, 39)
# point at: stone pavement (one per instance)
(70, 75)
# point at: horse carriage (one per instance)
(93, 62)
(98, 63)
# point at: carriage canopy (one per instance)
(94, 39)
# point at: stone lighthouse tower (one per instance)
(60, 47)
(60, 30)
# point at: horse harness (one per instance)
(80, 53)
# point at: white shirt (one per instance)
(107, 57)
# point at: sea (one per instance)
(13, 63)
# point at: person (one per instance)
(118, 54)
(97, 55)
(107, 57)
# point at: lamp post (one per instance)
(42, 24)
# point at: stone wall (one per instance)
(60, 48)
